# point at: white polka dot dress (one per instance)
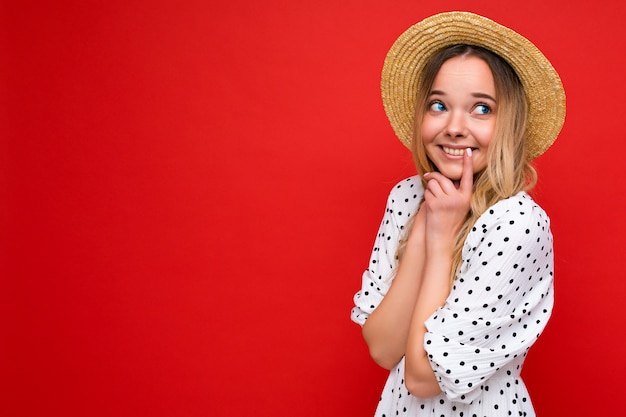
(499, 304)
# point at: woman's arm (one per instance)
(419, 376)
(446, 208)
(500, 302)
(386, 330)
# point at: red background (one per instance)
(190, 190)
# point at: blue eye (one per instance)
(483, 109)
(437, 106)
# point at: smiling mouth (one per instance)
(453, 151)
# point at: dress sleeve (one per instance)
(500, 303)
(403, 200)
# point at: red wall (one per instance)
(190, 190)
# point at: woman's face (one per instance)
(461, 114)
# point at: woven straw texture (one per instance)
(410, 52)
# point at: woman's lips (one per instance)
(454, 151)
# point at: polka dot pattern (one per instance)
(499, 305)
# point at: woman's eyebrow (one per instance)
(484, 95)
(476, 95)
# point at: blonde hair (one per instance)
(508, 170)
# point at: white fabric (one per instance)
(500, 303)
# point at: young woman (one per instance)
(460, 281)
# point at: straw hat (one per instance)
(414, 48)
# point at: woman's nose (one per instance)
(456, 125)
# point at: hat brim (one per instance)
(414, 48)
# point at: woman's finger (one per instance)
(467, 175)
(434, 187)
(445, 184)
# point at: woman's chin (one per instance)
(452, 175)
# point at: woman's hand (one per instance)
(446, 202)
